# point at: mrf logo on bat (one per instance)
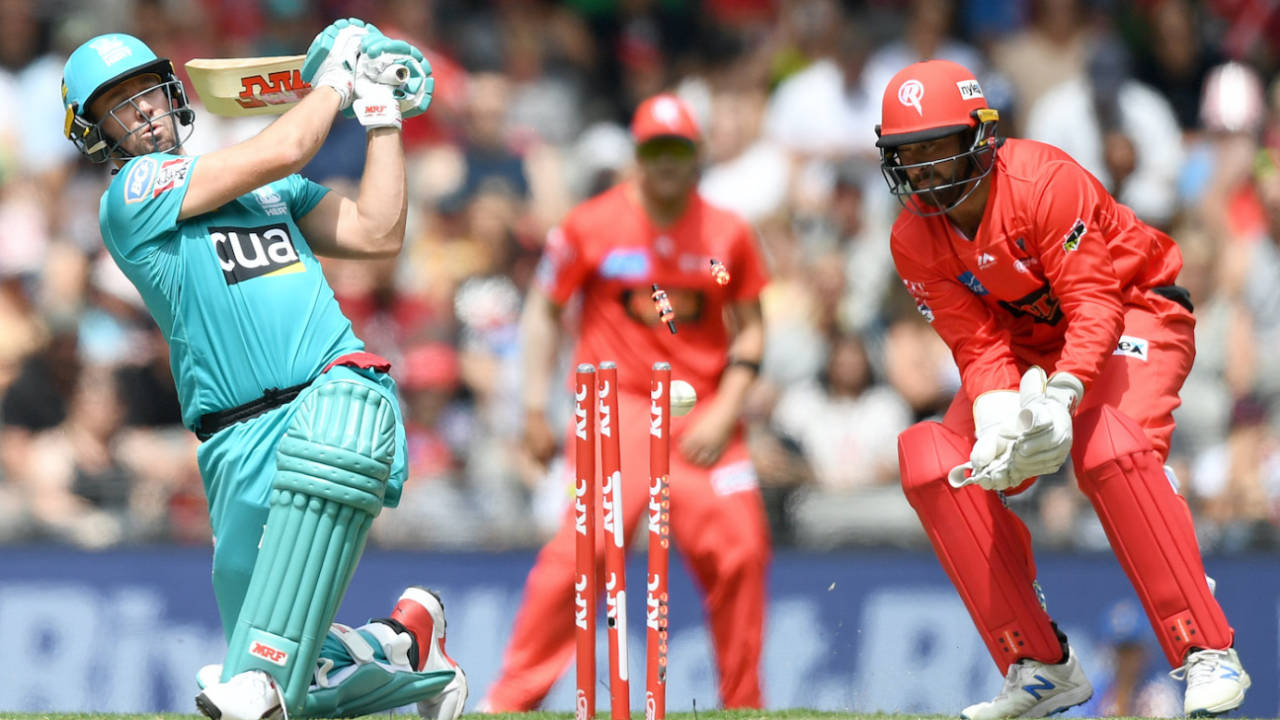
(278, 88)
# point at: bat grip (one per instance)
(393, 75)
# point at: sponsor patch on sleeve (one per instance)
(172, 174)
(139, 180)
(1130, 346)
(1071, 240)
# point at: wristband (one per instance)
(751, 365)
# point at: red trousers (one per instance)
(717, 522)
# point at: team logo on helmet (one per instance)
(110, 49)
(910, 93)
(666, 111)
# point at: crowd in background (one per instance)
(1170, 103)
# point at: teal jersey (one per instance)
(237, 292)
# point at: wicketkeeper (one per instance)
(1021, 260)
(303, 441)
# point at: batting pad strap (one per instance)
(330, 472)
(373, 688)
(360, 649)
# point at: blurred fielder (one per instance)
(1021, 260)
(611, 249)
(303, 441)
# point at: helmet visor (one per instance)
(132, 127)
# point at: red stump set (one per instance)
(596, 413)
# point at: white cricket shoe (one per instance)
(1035, 689)
(251, 695)
(422, 612)
(1216, 682)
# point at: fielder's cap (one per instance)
(664, 115)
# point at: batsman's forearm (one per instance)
(302, 129)
(384, 195)
(539, 340)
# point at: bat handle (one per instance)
(394, 75)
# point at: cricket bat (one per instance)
(236, 87)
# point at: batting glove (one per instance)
(413, 85)
(1050, 403)
(380, 71)
(331, 58)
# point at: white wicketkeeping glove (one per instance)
(996, 417)
(331, 58)
(1044, 446)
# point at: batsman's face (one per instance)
(668, 168)
(131, 110)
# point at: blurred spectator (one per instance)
(434, 510)
(1134, 682)
(747, 172)
(1176, 60)
(486, 148)
(88, 485)
(926, 35)
(1219, 176)
(844, 426)
(1052, 50)
(1257, 333)
(1237, 483)
(1120, 130)
(845, 422)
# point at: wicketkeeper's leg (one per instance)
(984, 548)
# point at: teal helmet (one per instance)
(101, 63)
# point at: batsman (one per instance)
(1072, 339)
(303, 442)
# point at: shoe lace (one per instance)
(1013, 678)
(1200, 666)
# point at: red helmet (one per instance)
(927, 101)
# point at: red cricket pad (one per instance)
(984, 548)
(1150, 529)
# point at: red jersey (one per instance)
(1044, 282)
(607, 248)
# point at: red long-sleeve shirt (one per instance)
(1055, 260)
